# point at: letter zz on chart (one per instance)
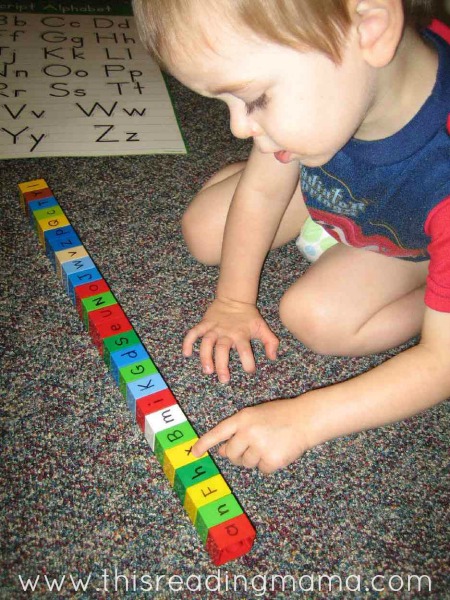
(80, 86)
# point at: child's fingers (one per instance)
(268, 467)
(235, 448)
(270, 341)
(191, 337)
(245, 352)
(220, 433)
(222, 359)
(223, 450)
(207, 351)
(251, 458)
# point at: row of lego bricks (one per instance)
(211, 506)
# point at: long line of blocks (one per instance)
(221, 523)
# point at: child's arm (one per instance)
(259, 203)
(273, 434)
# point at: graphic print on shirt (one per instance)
(332, 204)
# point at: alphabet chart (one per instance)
(81, 85)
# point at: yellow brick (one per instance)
(30, 186)
(177, 457)
(71, 254)
(203, 493)
(52, 223)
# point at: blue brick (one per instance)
(75, 279)
(73, 267)
(60, 239)
(128, 356)
(143, 387)
(40, 204)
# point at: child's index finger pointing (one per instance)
(221, 432)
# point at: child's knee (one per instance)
(203, 223)
(312, 322)
(190, 229)
(196, 233)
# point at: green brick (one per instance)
(202, 469)
(216, 512)
(171, 437)
(46, 213)
(134, 372)
(121, 341)
(94, 303)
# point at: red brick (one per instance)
(89, 289)
(230, 539)
(152, 403)
(105, 329)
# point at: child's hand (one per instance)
(268, 436)
(229, 324)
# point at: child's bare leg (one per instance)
(203, 222)
(356, 302)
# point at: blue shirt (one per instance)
(379, 194)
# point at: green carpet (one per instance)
(82, 495)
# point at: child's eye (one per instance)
(259, 103)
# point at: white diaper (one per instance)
(313, 240)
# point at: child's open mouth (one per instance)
(283, 156)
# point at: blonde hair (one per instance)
(318, 24)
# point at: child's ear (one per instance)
(379, 24)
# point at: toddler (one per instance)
(347, 103)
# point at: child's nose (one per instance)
(242, 125)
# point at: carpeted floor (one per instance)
(82, 496)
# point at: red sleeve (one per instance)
(441, 29)
(437, 226)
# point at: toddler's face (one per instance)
(298, 105)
